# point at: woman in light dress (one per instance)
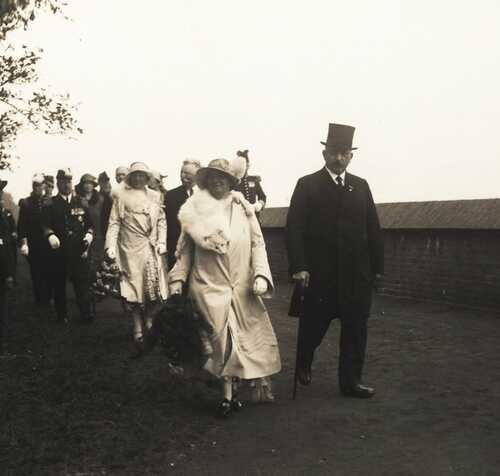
(221, 257)
(136, 238)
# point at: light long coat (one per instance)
(136, 227)
(242, 338)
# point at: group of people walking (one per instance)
(203, 240)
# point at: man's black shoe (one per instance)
(358, 391)
(304, 375)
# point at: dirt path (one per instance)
(436, 411)
(73, 403)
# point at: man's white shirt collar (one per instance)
(67, 197)
(334, 176)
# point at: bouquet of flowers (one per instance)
(107, 280)
(182, 332)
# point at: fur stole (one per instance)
(205, 220)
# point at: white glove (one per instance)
(111, 253)
(258, 206)
(175, 287)
(89, 237)
(161, 249)
(54, 242)
(24, 250)
(260, 286)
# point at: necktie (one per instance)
(339, 181)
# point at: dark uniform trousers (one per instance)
(30, 228)
(70, 223)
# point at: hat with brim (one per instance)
(3, 184)
(139, 167)
(339, 137)
(231, 169)
(122, 170)
(88, 178)
(49, 180)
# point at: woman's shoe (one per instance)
(224, 408)
(139, 344)
(236, 405)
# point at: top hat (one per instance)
(340, 137)
(3, 184)
(64, 174)
(234, 170)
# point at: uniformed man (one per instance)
(250, 186)
(49, 185)
(7, 264)
(68, 228)
(32, 241)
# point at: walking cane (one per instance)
(297, 310)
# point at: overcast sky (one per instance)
(196, 78)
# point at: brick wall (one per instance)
(454, 266)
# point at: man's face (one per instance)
(49, 190)
(337, 160)
(120, 177)
(38, 189)
(188, 173)
(65, 186)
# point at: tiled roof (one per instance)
(478, 214)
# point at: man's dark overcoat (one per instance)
(174, 199)
(334, 233)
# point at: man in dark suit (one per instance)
(33, 243)
(250, 186)
(335, 251)
(173, 201)
(68, 228)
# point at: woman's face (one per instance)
(138, 179)
(88, 187)
(218, 184)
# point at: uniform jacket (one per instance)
(221, 285)
(173, 201)
(334, 233)
(7, 245)
(70, 222)
(29, 225)
(251, 189)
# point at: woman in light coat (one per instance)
(221, 254)
(136, 238)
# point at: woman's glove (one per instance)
(260, 286)
(24, 250)
(258, 206)
(161, 249)
(111, 253)
(88, 238)
(54, 242)
(175, 288)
